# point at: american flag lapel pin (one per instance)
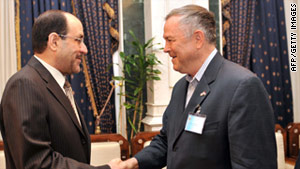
(203, 93)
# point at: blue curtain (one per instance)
(269, 57)
(31, 9)
(100, 21)
(255, 37)
(238, 20)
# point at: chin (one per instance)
(175, 68)
(76, 71)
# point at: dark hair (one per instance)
(48, 22)
(196, 17)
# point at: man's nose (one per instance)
(84, 48)
(166, 48)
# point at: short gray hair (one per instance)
(195, 17)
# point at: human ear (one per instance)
(199, 37)
(53, 41)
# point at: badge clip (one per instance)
(197, 110)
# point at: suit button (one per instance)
(83, 141)
(175, 149)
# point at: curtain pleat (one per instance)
(98, 18)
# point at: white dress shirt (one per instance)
(193, 81)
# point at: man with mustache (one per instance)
(41, 126)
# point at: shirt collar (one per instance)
(202, 69)
(57, 75)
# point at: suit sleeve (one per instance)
(155, 155)
(251, 127)
(26, 129)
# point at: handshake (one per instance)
(117, 163)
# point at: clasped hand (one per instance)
(117, 163)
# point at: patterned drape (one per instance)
(269, 57)
(29, 10)
(100, 20)
(256, 38)
(238, 18)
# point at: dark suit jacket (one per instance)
(239, 128)
(38, 124)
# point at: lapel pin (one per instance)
(203, 93)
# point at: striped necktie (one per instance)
(69, 94)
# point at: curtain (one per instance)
(27, 11)
(255, 37)
(8, 56)
(269, 57)
(100, 21)
(238, 19)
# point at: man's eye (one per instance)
(79, 40)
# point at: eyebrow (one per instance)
(168, 37)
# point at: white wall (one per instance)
(8, 57)
(120, 110)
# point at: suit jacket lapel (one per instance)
(201, 92)
(180, 102)
(56, 90)
(86, 132)
(83, 124)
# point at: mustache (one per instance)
(80, 56)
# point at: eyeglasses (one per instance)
(79, 40)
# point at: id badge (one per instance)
(195, 123)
